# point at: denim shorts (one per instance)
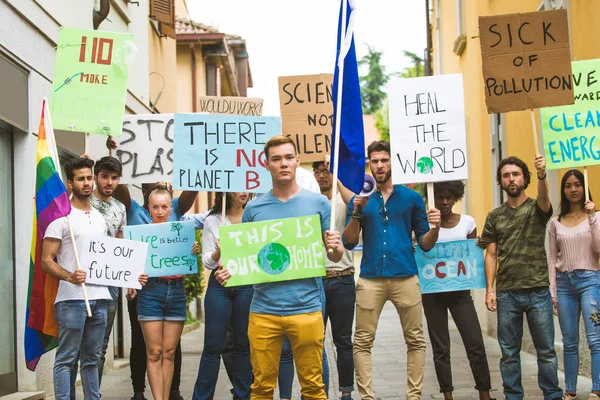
(162, 300)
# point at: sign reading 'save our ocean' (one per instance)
(451, 266)
(306, 106)
(169, 247)
(571, 132)
(113, 262)
(90, 80)
(526, 60)
(427, 129)
(272, 251)
(222, 153)
(145, 149)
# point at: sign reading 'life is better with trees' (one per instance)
(427, 129)
(222, 153)
(145, 149)
(451, 266)
(90, 80)
(571, 132)
(169, 247)
(272, 251)
(113, 262)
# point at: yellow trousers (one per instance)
(306, 334)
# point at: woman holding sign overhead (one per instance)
(573, 249)
(161, 309)
(459, 303)
(223, 304)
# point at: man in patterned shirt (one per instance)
(107, 174)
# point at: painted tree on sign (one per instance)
(176, 227)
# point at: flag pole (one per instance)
(85, 296)
(338, 120)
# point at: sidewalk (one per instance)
(389, 366)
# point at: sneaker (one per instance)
(138, 396)
(593, 396)
(570, 396)
(349, 397)
(175, 396)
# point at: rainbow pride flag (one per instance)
(51, 202)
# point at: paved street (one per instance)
(389, 360)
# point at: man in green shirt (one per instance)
(514, 234)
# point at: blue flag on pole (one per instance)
(351, 170)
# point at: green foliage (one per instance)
(382, 121)
(373, 82)
(194, 283)
(416, 70)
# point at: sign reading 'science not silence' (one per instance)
(526, 60)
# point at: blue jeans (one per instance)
(110, 319)
(340, 297)
(222, 305)
(286, 362)
(536, 304)
(79, 335)
(578, 291)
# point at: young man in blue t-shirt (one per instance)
(290, 308)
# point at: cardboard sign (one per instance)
(230, 105)
(526, 60)
(570, 132)
(427, 129)
(169, 247)
(222, 153)
(307, 112)
(451, 266)
(113, 262)
(145, 149)
(272, 251)
(90, 80)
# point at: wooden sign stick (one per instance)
(536, 142)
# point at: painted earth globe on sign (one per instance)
(274, 259)
(425, 165)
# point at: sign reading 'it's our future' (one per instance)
(427, 129)
(526, 60)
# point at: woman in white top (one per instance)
(573, 247)
(221, 305)
(460, 304)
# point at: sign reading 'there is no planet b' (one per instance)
(273, 251)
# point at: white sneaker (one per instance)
(593, 396)
(568, 396)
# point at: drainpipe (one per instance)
(100, 15)
(193, 57)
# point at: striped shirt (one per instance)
(572, 248)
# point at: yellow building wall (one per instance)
(518, 139)
(184, 79)
(162, 61)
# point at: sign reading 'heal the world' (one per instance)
(526, 60)
(90, 80)
(222, 153)
(427, 129)
(571, 133)
(451, 266)
(169, 247)
(272, 251)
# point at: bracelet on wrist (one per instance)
(489, 291)
(544, 177)
(356, 216)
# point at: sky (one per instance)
(286, 37)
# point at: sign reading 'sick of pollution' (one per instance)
(169, 247)
(222, 153)
(231, 105)
(113, 262)
(427, 129)
(272, 251)
(307, 112)
(90, 80)
(451, 266)
(145, 149)
(526, 60)
(570, 132)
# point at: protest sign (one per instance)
(307, 112)
(526, 60)
(90, 80)
(113, 262)
(272, 251)
(570, 131)
(169, 247)
(145, 148)
(427, 129)
(222, 153)
(451, 266)
(230, 105)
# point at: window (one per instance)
(163, 11)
